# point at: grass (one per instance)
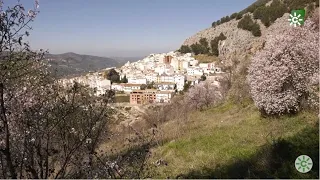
(203, 58)
(122, 98)
(219, 137)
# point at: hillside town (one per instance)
(154, 79)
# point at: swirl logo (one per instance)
(303, 163)
(297, 17)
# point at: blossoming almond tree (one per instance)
(46, 130)
(203, 95)
(280, 75)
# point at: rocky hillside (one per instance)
(239, 42)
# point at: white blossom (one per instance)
(280, 75)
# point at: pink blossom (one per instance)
(280, 75)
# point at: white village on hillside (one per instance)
(167, 73)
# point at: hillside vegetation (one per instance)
(203, 58)
(243, 29)
(231, 141)
(267, 118)
(252, 121)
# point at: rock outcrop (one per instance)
(239, 42)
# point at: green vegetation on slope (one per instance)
(270, 13)
(215, 141)
(246, 23)
(203, 46)
(203, 58)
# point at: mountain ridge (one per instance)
(72, 64)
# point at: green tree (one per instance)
(185, 49)
(150, 85)
(268, 14)
(256, 30)
(186, 86)
(234, 15)
(239, 16)
(124, 79)
(223, 20)
(260, 12)
(204, 46)
(215, 44)
(196, 48)
(112, 75)
(246, 23)
(143, 87)
(214, 24)
(227, 18)
(203, 78)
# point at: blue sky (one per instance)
(123, 27)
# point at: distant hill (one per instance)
(72, 64)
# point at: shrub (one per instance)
(143, 86)
(201, 47)
(298, 4)
(239, 16)
(276, 10)
(185, 49)
(112, 75)
(204, 46)
(203, 78)
(280, 76)
(234, 15)
(225, 19)
(124, 79)
(196, 48)
(215, 43)
(246, 23)
(260, 12)
(203, 95)
(239, 91)
(268, 14)
(256, 30)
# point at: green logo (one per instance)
(297, 17)
(303, 163)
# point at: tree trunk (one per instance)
(6, 151)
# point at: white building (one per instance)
(117, 87)
(160, 69)
(102, 86)
(175, 63)
(127, 88)
(179, 80)
(194, 71)
(165, 86)
(166, 78)
(206, 65)
(137, 80)
(152, 77)
(193, 62)
(185, 64)
(164, 96)
(169, 70)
